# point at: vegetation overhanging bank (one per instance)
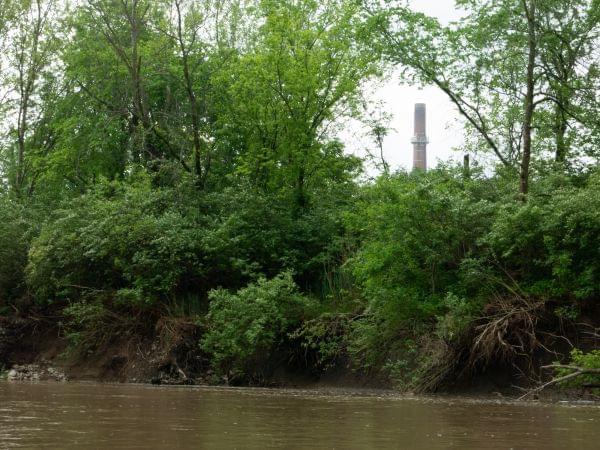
(172, 188)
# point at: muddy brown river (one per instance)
(103, 416)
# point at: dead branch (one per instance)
(577, 371)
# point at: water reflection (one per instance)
(127, 416)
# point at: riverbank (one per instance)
(36, 350)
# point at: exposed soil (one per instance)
(168, 355)
(27, 343)
(34, 348)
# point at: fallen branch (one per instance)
(577, 371)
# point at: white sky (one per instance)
(444, 128)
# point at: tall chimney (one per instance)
(419, 140)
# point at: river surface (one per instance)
(99, 416)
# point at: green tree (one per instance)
(501, 66)
(303, 72)
(569, 31)
(27, 78)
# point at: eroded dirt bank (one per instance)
(35, 349)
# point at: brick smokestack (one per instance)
(419, 140)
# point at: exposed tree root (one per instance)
(507, 332)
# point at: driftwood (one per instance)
(577, 371)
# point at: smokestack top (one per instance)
(420, 119)
(420, 140)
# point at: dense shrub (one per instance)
(128, 239)
(325, 340)
(245, 329)
(156, 238)
(551, 244)
(416, 232)
(256, 233)
(423, 261)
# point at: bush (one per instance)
(439, 252)
(135, 242)
(254, 233)
(459, 315)
(551, 244)
(245, 329)
(325, 339)
(417, 230)
(145, 245)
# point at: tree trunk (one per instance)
(28, 73)
(530, 12)
(193, 102)
(561, 131)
